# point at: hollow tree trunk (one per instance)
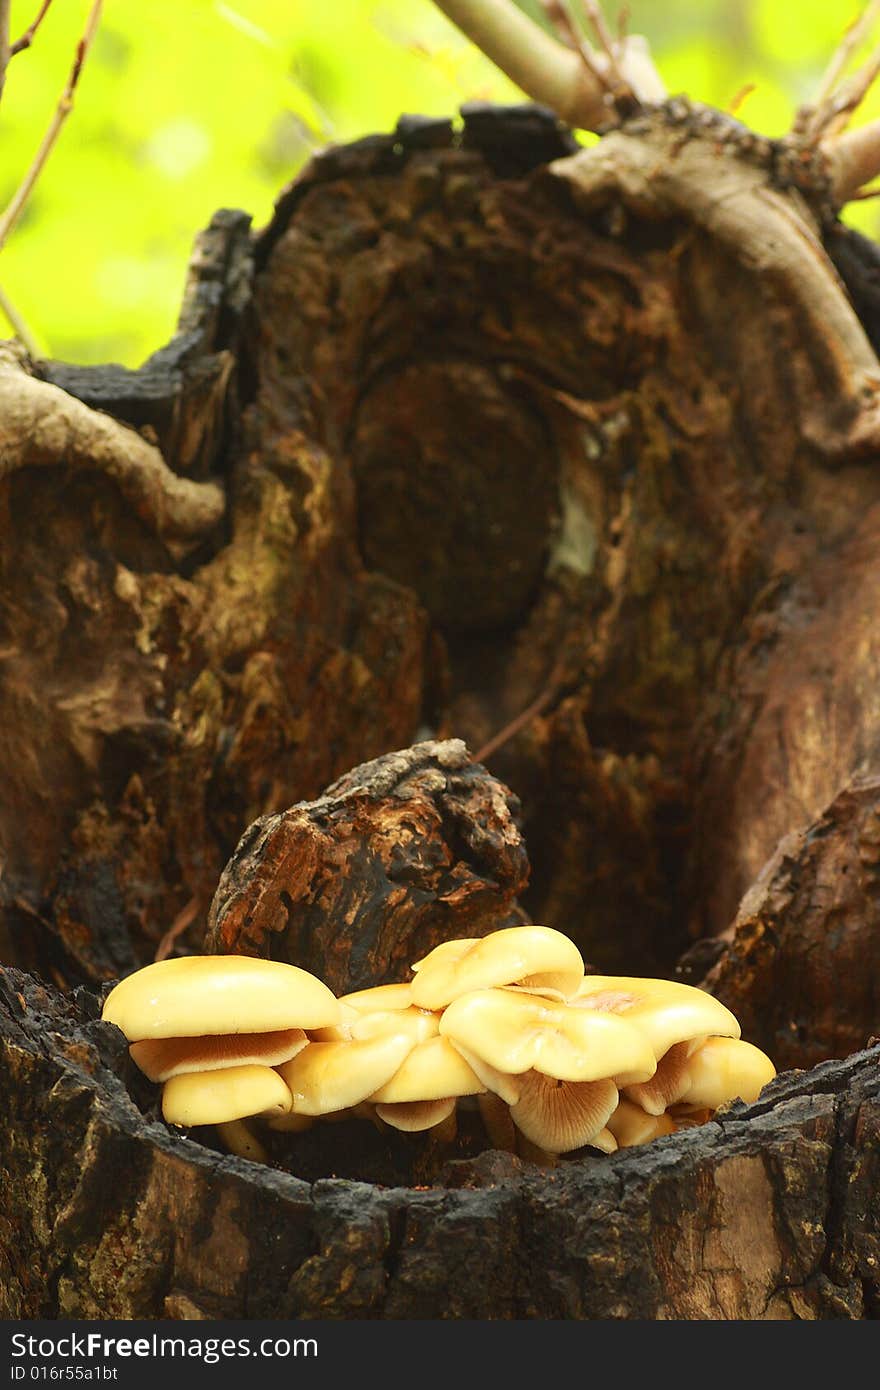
(497, 428)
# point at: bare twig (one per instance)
(19, 327)
(559, 17)
(544, 68)
(62, 111)
(5, 51)
(558, 14)
(812, 120)
(851, 95)
(596, 20)
(853, 160)
(853, 157)
(541, 66)
(523, 719)
(27, 37)
(185, 917)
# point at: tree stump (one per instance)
(486, 443)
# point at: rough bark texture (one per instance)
(807, 937)
(767, 1212)
(400, 854)
(497, 435)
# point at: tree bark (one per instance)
(563, 457)
(768, 1212)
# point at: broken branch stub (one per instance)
(401, 853)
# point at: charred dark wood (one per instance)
(400, 854)
(180, 394)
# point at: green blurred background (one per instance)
(189, 106)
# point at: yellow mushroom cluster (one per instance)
(554, 1059)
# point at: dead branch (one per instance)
(813, 118)
(5, 52)
(545, 69)
(853, 160)
(42, 426)
(27, 37)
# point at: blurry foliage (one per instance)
(184, 108)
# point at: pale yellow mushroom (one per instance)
(194, 996)
(668, 1083)
(666, 1011)
(534, 957)
(216, 1097)
(329, 1076)
(418, 1024)
(675, 1018)
(424, 1089)
(499, 1127)
(632, 1125)
(416, 1116)
(379, 998)
(238, 1138)
(559, 1116)
(162, 1058)
(378, 1009)
(553, 1065)
(723, 1070)
(718, 1070)
(291, 1123)
(503, 1133)
(533, 1153)
(512, 1032)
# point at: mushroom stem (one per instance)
(238, 1138)
(499, 1127)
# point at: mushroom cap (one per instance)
(291, 1123)
(216, 1097)
(328, 1076)
(418, 1024)
(162, 1058)
(433, 1070)
(726, 1069)
(516, 1032)
(413, 1116)
(632, 1125)
(379, 997)
(559, 1116)
(666, 1011)
(192, 996)
(369, 1011)
(668, 1084)
(535, 957)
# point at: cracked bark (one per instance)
(495, 423)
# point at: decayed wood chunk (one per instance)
(401, 853)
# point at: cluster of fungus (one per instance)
(555, 1060)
